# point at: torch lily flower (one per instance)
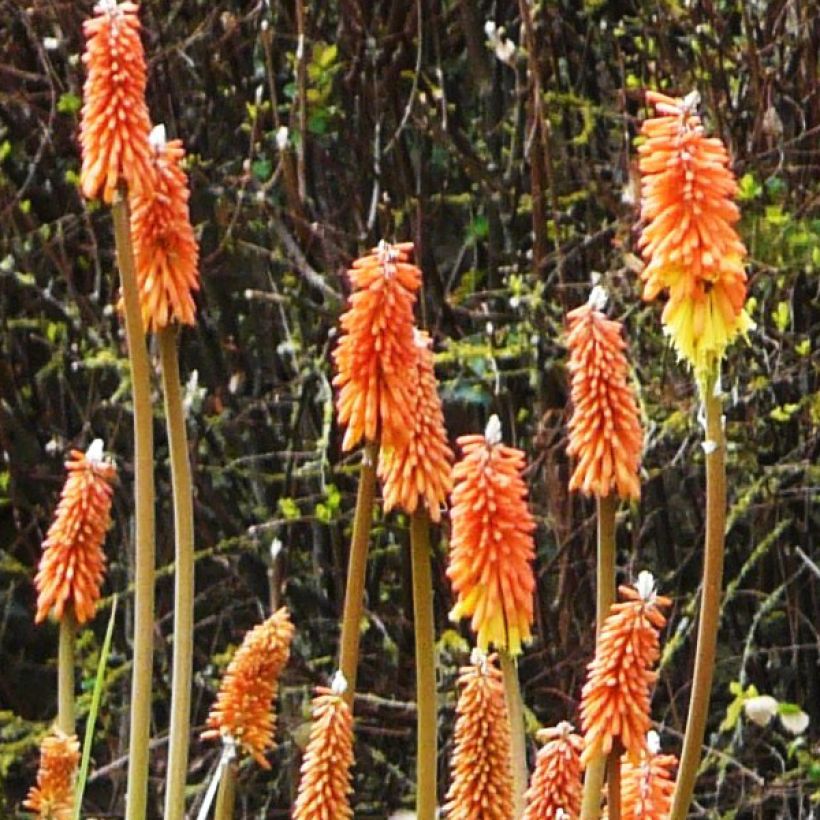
(646, 788)
(555, 788)
(53, 796)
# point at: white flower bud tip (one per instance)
(493, 431)
(339, 683)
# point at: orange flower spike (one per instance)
(420, 469)
(647, 789)
(491, 543)
(689, 239)
(53, 796)
(376, 357)
(73, 562)
(324, 785)
(556, 785)
(115, 122)
(605, 430)
(615, 697)
(165, 248)
(244, 704)
(481, 785)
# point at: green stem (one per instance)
(183, 578)
(710, 602)
(357, 563)
(518, 741)
(65, 673)
(604, 598)
(142, 675)
(426, 721)
(226, 796)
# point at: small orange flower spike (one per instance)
(165, 248)
(647, 789)
(615, 697)
(324, 785)
(244, 704)
(556, 783)
(605, 430)
(491, 544)
(53, 796)
(115, 122)
(72, 565)
(376, 357)
(481, 768)
(689, 239)
(420, 469)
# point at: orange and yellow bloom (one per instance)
(689, 239)
(165, 248)
(420, 468)
(53, 796)
(324, 785)
(556, 782)
(481, 787)
(244, 705)
(491, 543)
(605, 433)
(615, 697)
(73, 562)
(376, 355)
(647, 788)
(115, 122)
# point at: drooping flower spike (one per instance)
(53, 796)
(165, 248)
(481, 786)
(491, 543)
(689, 240)
(605, 433)
(555, 788)
(73, 562)
(244, 708)
(376, 355)
(324, 785)
(647, 788)
(615, 697)
(115, 122)
(419, 470)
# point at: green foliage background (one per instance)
(517, 182)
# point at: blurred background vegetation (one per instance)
(499, 138)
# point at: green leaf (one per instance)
(262, 169)
(784, 412)
(96, 697)
(69, 103)
(748, 187)
(289, 509)
(782, 316)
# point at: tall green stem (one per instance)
(226, 796)
(710, 601)
(613, 783)
(183, 578)
(515, 716)
(604, 598)
(426, 721)
(65, 673)
(142, 675)
(357, 563)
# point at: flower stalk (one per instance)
(426, 720)
(142, 674)
(65, 673)
(356, 567)
(715, 448)
(226, 796)
(183, 577)
(518, 740)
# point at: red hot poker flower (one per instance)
(605, 430)
(72, 565)
(165, 248)
(420, 469)
(481, 768)
(491, 544)
(324, 786)
(647, 789)
(115, 122)
(615, 698)
(53, 796)
(555, 788)
(376, 357)
(244, 704)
